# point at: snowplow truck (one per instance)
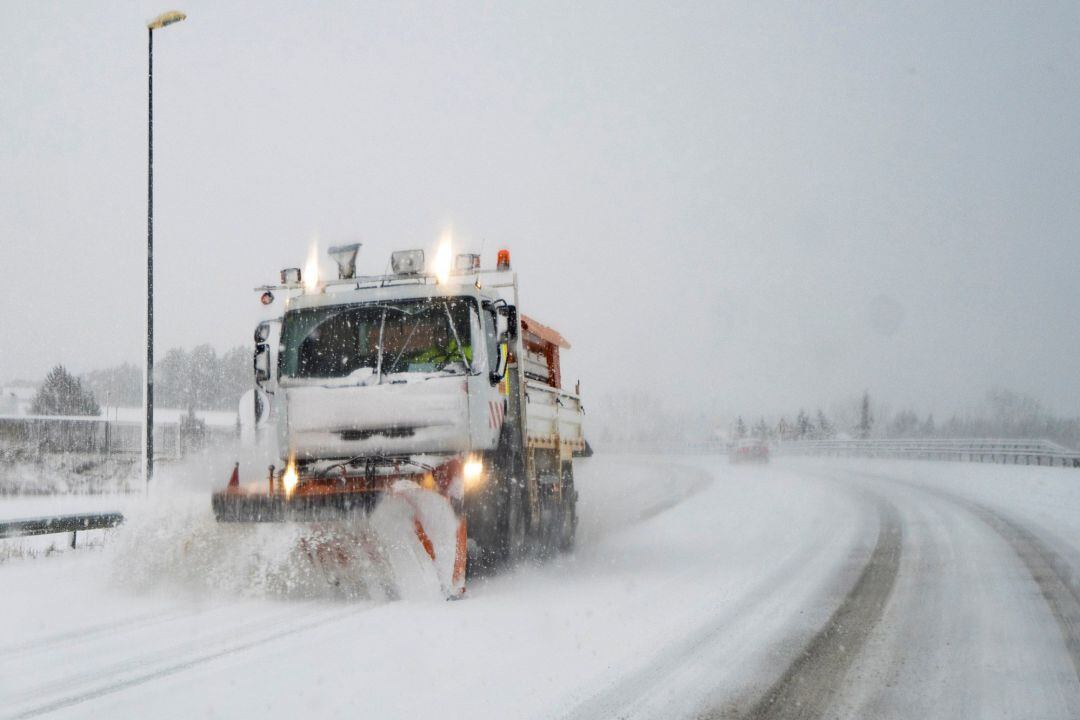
(424, 389)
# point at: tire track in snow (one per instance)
(116, 681)
(618, 700)
(79, 635)
(810, 683)
(1057, 580)
(1053, 574)
(133, 662)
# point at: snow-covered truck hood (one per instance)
(430, 415)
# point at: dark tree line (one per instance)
(804, 427)
(198, 379)
(201, 380)
(1008, 414)
(1003, 414)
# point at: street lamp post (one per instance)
(161, 21)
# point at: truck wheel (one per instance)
(568, 526)
(517, 525)
(509, 538)
(549, 534)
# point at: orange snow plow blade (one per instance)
(372, 523)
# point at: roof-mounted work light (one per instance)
(466, 262)
(345, 257)
(407, 262)
(290, 276)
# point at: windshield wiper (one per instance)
(404, 346)
(382, 327)
(378, 361)
(460, 347)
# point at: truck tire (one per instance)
(568, 529)
(511, 532)
(549, 535)
(516, 539)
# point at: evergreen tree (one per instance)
(803, 425)
(905, 424)
(740, 428)
(866, 417)
(824, 427)
(63, 394)
(761, 430)
(928, 429)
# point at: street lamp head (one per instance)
(166, 19)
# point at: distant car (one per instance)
(749, 451)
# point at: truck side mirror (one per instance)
(262, 332)
(500, 367)
(511, 320)
(262, 406)
(262, 363)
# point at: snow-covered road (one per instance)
(808, 588)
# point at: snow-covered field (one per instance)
(808, 588)
(68, 473)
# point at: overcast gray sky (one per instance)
(750, 206)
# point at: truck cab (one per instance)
(403, 369)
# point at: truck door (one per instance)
(487, 409)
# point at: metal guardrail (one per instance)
(59, 524)
(1005, 451)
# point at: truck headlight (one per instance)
(474, 473)
(290, 478)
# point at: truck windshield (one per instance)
(428, 335)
